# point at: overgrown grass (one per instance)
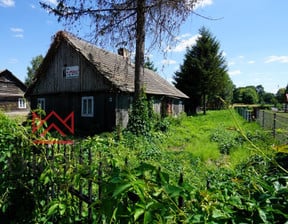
(216, 168)
(219, 133)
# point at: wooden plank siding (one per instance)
(65, 103)
(105, 76)
(53, 80)
(11, 90)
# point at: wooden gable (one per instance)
(66, 70)
(10, 85)
(11, 92)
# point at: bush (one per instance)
(226, 139)
(16, 199)
(139, 121)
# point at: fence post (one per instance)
(263, 114)
(100, 177)
(90, 186)
(180, 198)
(80, 184)
(274, 125)
(247, 115)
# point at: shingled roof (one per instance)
(116, 68)
(6, 77)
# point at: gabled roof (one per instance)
(115, 68)
(7, 77)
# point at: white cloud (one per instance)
(203, 4)
(235, 72)
(184, 44)
(20, 35)
(251, 62)
(7, 3)
(168, 62)
(33, 6)
(180, 37)
(13, 61)
(54, 2)
(18, 32)
(280, 59)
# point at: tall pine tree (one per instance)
(203, 75)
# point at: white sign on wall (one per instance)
(72, 72)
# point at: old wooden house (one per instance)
(11, 93)
(95, 84)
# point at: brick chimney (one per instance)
(124, 52)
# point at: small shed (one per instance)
(11, 93)
(97, 85)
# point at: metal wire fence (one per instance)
(276, 122)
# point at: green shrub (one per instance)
(139, 121)
(16, 199)
(226, 139)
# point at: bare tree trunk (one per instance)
(140, 46)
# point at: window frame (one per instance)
(85, 110)
(41, 102)
(22, 103)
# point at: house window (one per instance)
(21, 103)
(41, 103)
(87, 106)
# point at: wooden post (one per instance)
(274, 125)
(99, 177)
(263, 114)
(180, 198)
(80, 183)
(90, 186)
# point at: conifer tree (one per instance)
(203, 75)
(31, 70)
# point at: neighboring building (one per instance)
(11, 93)
(97, 85)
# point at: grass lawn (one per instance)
(204, 136)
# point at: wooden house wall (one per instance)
(9, 103)
(10, 92)
(157, 105)
(65, 103)
(53, 81)
(8, 88)
(177, 107)
(123, 105)
(167, 106)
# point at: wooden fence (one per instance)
(51, 163)
(88, 165)
(276, 122)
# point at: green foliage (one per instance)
(247, 194)
(226, 139)
(140, 122)
(150, 65)
(203, 74)
(159, 178)
(16, 200)
(31, 71)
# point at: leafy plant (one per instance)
(16, 199)
(226, 139)
(139, 121)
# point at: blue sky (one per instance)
(253, 35)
